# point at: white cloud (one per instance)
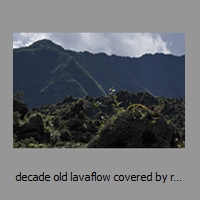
(25, 39)
(124, 44)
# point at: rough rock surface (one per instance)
(34, 128)
(121, 120)
(137, 127)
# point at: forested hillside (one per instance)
(47, 73)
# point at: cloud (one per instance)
(124, 44)
(176, 44)
(25, 39)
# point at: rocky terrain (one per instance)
(119, 120)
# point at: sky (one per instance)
(121, 44)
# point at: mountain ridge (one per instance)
(47, 73)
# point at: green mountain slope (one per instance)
(47, 73)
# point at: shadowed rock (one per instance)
(137, 127)
(34, 128)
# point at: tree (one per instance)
(18, 95)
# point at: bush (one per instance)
(137, 127)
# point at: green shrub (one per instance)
(137, 127)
